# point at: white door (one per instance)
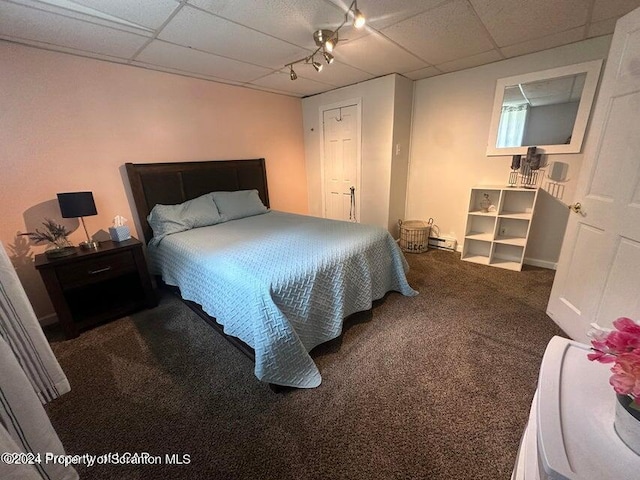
(598, 277)
(340, 163)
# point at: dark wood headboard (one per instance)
(177, 182)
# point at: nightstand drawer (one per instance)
(94, 270)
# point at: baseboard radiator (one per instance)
(443, 243)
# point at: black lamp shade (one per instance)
(77, 204)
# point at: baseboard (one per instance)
(48, 319)
(536, 262)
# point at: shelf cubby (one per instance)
(518, 202)
(481, 227)
(477, 195)
(477, 251)
(498, 237)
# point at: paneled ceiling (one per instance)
(248, 42)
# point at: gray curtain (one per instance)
(29, 376)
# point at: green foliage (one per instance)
(53, 233)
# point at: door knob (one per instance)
(576, 207)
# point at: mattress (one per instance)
(282, 283)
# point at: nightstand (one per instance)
(93, 286)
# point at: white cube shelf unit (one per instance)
(499, 237)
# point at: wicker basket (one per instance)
(414, 235)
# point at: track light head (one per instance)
(325, 39)
(358, 17)
(316, 65)
(328, 57)
(330, 44)
(292, 74)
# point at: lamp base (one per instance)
(89, 245)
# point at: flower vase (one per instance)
(627, 422)
(485, 203)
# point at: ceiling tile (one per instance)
(377, 55)
(272, 90)
(383, 13)
(196, 61)
(290, 20)
(605, 27)
(27, 23)
(472, 61)
(70, 9)
(429, 35)
(423, 73)
(544, 43)
(175, 71)
(515, 21)
(605, 9)
(280, 81)
(72, 51)
(194, 28)
(149, 13)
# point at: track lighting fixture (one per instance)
(326, 41)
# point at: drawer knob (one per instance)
(100, 270)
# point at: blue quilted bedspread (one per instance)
(282, 283)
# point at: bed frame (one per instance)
(177, 182)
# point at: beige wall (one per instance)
(68, 123)
(402, 107)
(451, 120)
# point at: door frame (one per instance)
(357, 102)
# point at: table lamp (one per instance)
(79, 205)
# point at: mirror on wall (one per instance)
(547, 109)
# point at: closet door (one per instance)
(340, 162)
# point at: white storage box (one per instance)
(570, 434)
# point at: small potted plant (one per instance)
(56, 236)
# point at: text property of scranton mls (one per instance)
(111, 458)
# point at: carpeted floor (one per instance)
(432, 387)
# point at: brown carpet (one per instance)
(432, 387)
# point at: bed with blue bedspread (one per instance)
(281, 283)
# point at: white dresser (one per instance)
(570, 432)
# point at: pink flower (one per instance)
(622, 348)
(626, 375)
(601, 357)
(622, 342)
(625, 324)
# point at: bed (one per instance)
(275, 284)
